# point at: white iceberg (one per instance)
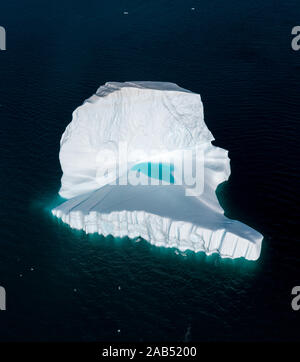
(162, 120)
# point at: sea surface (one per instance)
(63, 285)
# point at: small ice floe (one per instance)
(119, 330)
(119, 287)
(31, 269)
(75, 290)
(20, 275)
(177, 252)
(138, 240)
(125, 12)
(192, 9)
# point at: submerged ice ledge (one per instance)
(147, 114)
(162, 215)
(162, 231)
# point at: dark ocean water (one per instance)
(238, 56)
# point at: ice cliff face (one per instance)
(153, 119)
(151, 116)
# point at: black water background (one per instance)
(238, 56)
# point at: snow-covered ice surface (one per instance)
(150, 116)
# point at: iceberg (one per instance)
(108, 193)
